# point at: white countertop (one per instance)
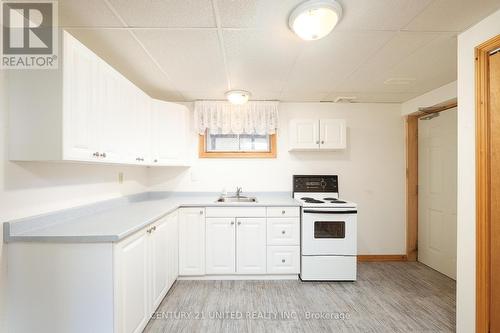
(113, 220)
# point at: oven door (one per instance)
(329, 231)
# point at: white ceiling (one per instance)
(185, 50)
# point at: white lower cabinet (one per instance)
(131, 264)
(192, 241)
(283, 259)
(251, 246)
(220, 249)
(145, 269)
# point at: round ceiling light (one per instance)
(237, 97)
(314, 19)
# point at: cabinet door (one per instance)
(80, 125)
(220, 245)
(132, 278)
(332, 134)
(110, 115)
(160, 261)
(251, 246)
(168, 131)
(191, 241)
(283, 231)
(173, 243)
(304, 134)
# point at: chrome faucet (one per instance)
(238, 191)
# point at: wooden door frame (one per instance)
(483, 184)
(411, 130)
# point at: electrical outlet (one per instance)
(120, 177)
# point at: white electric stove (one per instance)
(328, 230)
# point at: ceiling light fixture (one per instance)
(314, 19)
(237, 97)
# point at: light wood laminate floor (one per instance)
(388, 297)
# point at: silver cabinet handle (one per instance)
(239, 222)
(322, 142)
(156, 161)
(283, 232)
(149, 230)
(232, 222)
(154, 228)
(96, 154)
(103, 155)
(283, 260)
(283, 212)
(317, 142)
(201, 212)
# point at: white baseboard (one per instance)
(242, 277)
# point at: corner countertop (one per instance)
(113, 220)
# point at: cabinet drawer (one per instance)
(283, 231)
(236, 212)
(283, 259)
(283, 211)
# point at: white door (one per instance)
(251, 246)
(304, 134)
(332, 134)
(220, 246)
(159, 255)
(168, 134)
(132, 308)
(437, 189)
(191, 241)
(80, 101)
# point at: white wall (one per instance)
(371, 171)
(433, 97)
(466, 233)
(33, 188)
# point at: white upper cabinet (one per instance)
(332, 134)
(168, 133)
(86, 111)
(304, 134)
(317, 134)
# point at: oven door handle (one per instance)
(330, 211)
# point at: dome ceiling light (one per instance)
(314, 19)
(237, 97)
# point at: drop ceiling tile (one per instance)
(379, 14)
(120, 50)
(255, 13)
(90, 13)
(257, 59)
(403, 45)
(165, 13)
(373, 97)
(429, 67)
(191, 58)
(203, 95)
(310, 95)
(452, 15)
(324, 64)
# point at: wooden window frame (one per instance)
(203, 153)
(483, 184)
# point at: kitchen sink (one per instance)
(237, 199)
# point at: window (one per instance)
(237, 145)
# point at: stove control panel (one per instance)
(325, 183)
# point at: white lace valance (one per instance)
(225, 118)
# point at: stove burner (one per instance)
(338, 201)
(306, 198)
(334, 199)
(310, 200)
